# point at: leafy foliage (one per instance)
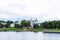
(25, 23)
(8, 23)
(51, 24)
(1, 25)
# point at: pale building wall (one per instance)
(12, 25)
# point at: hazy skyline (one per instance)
(26, 9)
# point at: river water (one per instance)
(28, 36)
(51, 36)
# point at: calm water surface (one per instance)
(20, 36)
(51, 36)
(29, 36)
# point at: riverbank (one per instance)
(22, 29)
(31, 30)
(51, 30)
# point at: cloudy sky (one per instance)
(26, 9)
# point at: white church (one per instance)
(33, 22)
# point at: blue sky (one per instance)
(43, 10)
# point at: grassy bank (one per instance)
(51, 30)
(21, 29)
(30, 29)
(11, 29)
(36, 29)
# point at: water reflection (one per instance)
(29, 36)
(20, 36)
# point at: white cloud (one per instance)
(41, 9)
(4, 16)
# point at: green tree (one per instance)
(25, 23)
(1, 25)
(51, 24)
(8, 23)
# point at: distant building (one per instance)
(33, 22)
(3, 24)
(12, 25)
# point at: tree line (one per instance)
(51, 24)
(25, 23)
(17, 24)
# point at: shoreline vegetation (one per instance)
(30, 25)
(21, 29)
(52, 30)
(51, 26)
(30, 30)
